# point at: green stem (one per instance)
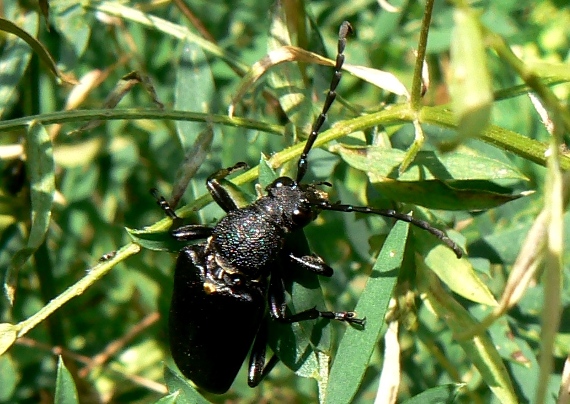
(76, 289)
(416, 95)
(136, 113)
(505, 139)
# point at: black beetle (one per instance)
(225, 286)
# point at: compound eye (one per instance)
(302, 215)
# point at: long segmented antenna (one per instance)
(164, 205)
(326, 205)
(343, 32)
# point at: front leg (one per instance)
(181, 233)
(219, 194)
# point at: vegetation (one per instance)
(116, 98)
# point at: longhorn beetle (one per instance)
(227, 287)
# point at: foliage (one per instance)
(116, 98)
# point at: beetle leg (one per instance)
(258, 369)
(312, 263)
(191, 232)
(277, 308)
(219, 194)
(181, 233)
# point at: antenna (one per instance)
(344, 30)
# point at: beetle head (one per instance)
(298, 202)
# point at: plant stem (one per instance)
(416, 95)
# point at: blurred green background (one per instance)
(193, 56)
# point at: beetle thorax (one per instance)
(249, 240)
(246, 241)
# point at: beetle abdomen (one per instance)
(212, 324)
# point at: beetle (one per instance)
(228, 287)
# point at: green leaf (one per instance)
(458, 274)
(503, 336)
(155, 240)
(287, 79)
(9, 377)
(40, 166)
(480, 349)
(8, 335)
(295, 344)
(15, 57)
(470, 82)
(436, 395)
(266, 174)
(71, 20)
(187, 393)
(169, 399)
(437, 195)
(194, 91)
(65, 390)
(193, 159)
(383, 163)
(36, 45)
(452, 181)
(357, 345)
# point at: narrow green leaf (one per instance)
(436, 395)
(71, 20)
(121, 89)
(193, 159)
(287, 80)
(470, 83)
(41, 170)
(480, 349)
(40, 166)
(452, 181)
(65, 390)
(266, 174)
(155, 240)
(439, 195)
(169, 399)
(15, 57)
(357, 345)
(187, 393)
(194, 91)
(8, 335)
(36, 45)
(381, 162)
(296, 343)
(527, 376)
(379, 78)
(457, 274)
(504, 339)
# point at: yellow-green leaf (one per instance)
(470, 82)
